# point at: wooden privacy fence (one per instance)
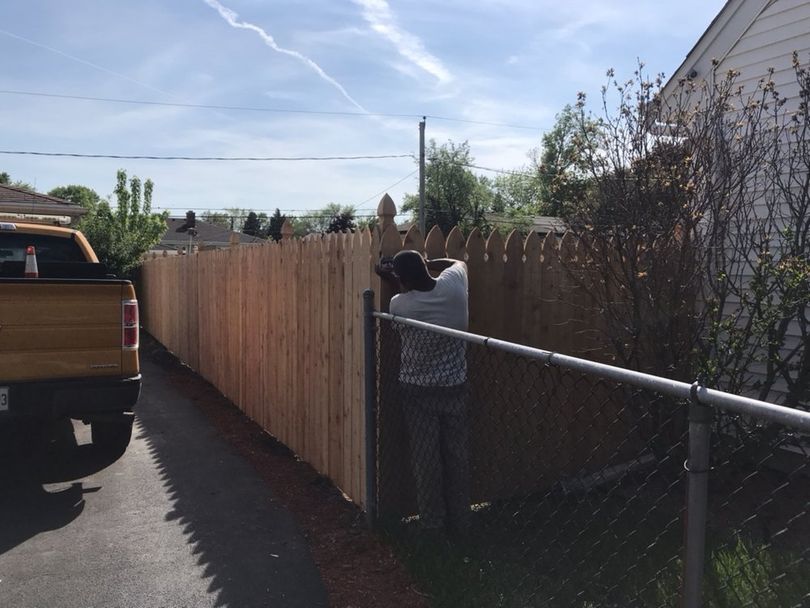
(278, 327)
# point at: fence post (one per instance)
(697, 495)
(370, 355)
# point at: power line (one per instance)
(239, 108)
(291, 216)
(384, 190)
(529, 173)
(207, 158)
(503, 171)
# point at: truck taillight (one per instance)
(129, 318)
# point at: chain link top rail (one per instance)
(772, 412)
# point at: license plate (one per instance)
(4, 398)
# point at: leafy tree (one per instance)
(5, 179)
(121, 235)
(235, 218)
(367, 223)
(342, 222)
(563, 172)
(320, 220)
(80, 195)
(218, 218)
(252, 225)
(516, 193)
(275, 224)
(238, 216)
(454, 195)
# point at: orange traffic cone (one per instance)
(31, 270)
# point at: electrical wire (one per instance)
(207, 158)
(239, 108)
(384, 190)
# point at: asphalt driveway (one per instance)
(179, 520)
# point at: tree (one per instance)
(80, 195)
(562, 167)
(320, 220)
(121, 235)
(454, 195)
(342, 222)
(5, 179)
(252, 225)
(516, 193)
(275, 224)
(218, 219)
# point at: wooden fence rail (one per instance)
(278, 327)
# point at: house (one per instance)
(751, 36)
(21, 204)
(757, 39)
(209, 236)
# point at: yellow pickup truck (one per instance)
(68, 334)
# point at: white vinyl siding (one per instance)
(779, 30)
(769, 42)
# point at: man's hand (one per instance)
(385, 270)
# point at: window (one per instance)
(49, 248)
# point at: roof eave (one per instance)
(73, 211)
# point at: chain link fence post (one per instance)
(370, 355)
(697, 498)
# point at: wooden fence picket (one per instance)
(278, 328)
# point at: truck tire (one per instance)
(112, 435)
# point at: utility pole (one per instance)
(422, 177)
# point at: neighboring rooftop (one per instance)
(20, 200)
(208, 234)
(541, 224)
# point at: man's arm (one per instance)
(440, 264)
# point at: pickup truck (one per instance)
(68, 334)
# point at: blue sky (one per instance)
(504, 61)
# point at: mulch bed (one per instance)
(358, 569)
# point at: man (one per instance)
(432, 376)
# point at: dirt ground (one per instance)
(358, 570)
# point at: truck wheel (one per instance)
(112, 435)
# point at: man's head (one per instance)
(410, 267)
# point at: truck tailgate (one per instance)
(61, 329)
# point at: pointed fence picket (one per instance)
(278, 327)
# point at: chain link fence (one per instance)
(509, 476)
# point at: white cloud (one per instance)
(232, 18)
(379, 15)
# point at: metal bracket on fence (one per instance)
(697, 498)
(370, 357)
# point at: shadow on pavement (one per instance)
(248, 544)
(32, 455)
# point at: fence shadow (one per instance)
(249, 546)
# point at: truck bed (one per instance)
(63, 328)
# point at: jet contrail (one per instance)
(381, 18)
(90, 64)
(233, 20)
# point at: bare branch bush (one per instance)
(694, 230)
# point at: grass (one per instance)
(620, 548)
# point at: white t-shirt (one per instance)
(430, 359)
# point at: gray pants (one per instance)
(439, 447)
